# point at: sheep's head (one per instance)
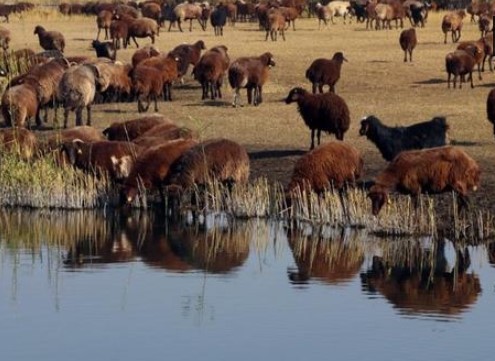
(378, 198)
(267, 59)
(295, 94)
(200, 44)
(39, 29)
(367, 124)
(339, 57)
(71, 150)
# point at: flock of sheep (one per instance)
(153, 152)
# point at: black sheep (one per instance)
(218, 18)
(105, 49)
(390, 141)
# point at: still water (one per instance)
(111, 286)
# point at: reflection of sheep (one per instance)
(327, 112)
(332, 165)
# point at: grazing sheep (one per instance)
(50, 40)
(323, 72)
(219, 159)
(408, 41)
(163, 133)
(104, 49)
(330, 166)
(390, 141)
(103, 21)
(147, 83)
(146, 52)
(20, 141)
(490, 108)
(77, 90)
(167, 65)
(142, 28)
(218, 18)
(250, 73)
(211, 70)
(275, 24)
(479, 52)
(453, 22)
(152, 166)
(132, 129)
(188, 54)
(19, 104)
(4, 38)
(460, 63)
(434, 170)
(113, 158)
(327, 112)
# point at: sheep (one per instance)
(142, 28)
(416, 11)
(147, 83)
(250, 73)
(460, 63)
(105, 49)
(479, 52)
(114, 81)
(125, 10)
(218, 18)
(20, 141)
(4, 38)
(408, 41)
(435, 170)
(167, 65)
(359, 10)
(218, 159)
(386, 13)
(275, 24)
(453, 22)
(484, 25)
(77, 90)
(327, 112)
(390, 141)
(146, 52)
(152, 166)
(163, 133)
(186, 11)
(168, 15)
(188, 54)
(323, 14)
(323, 72)
(211, 70)
(329, 166)
(6, 10)
(112, 158)
(132, 129)
(19, 104)
(103, 21)
(488, 50)
(151, 10)
(50, 40)
(290, 14)
(339, 8)
(119, 29)
(490, 108)
(371, 15)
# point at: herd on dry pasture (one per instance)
(152, 151)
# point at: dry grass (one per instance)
(374, 81)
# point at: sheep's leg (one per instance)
(236, 96)
(88, 111)
(98, 34)
(314, 85)
(135, 42)
(152, 38)
(78, 116)
(259, 94)
(204, 90)
(66, 117)
(155, 98)
(267, 33)
(445, 39)
(283, 34)
(179, 25)
(448, 80)
(250, 95)
(219, 88)
(318, 135)
(410, 55)
(405, 56)
(471, 79)
(320, 88)
(312, 139)
(479, 72)
(106, 33)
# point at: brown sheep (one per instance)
(146, 52)
(186, 11)
(167, 65)
(152, 166)
(329, 166)
(113, 158)
(162, 134)
(484, 24)
(211, 70)
(219, 159)
(151, 10)
(134, 128)
(434, 170)
(490, 108)
(103, 21)
(488, 49)
(275, 24)
(4, 38)
(50, 40)
(323, 15)
(453, 22)
(119, 29)
(460, 63)
(19, 104)
(147, 83)
(408, 41)
(327, 112)
(142, 28)
(250, 73)
(479, 52)
(323, 72)
(188, 54)
(20, 141)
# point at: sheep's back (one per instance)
(327, 111)
(77, 87)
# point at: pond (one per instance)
(131, 286)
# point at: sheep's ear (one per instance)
(77, 143)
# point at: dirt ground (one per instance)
(375, 80)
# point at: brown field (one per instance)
(374, 81)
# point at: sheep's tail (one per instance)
(309, 74)
(237, 77)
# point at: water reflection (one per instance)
(329, 255)
(420, 280)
